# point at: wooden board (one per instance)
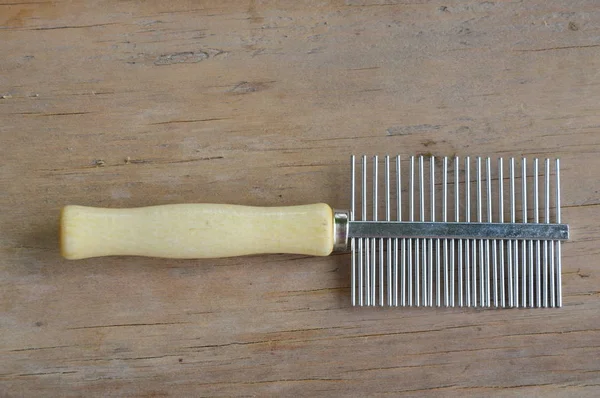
(127, 103)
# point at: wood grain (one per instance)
(126, 103)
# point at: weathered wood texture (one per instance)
(129, 103)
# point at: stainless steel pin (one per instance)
(496, 283)
(352, 241)
(403, 246)
(516, 271)
(536, 219)
(467, 219)
(417, 273)
(411, 215)
(429, 281)
(423, 266)
(398, 189)
(438, 279)
(457, 219)
(388, 217)
(452, 274)
(367, 245)
(474, 260)
(552, 262)
(381, 272)
(375, 241)
(389, 252)
(552, 275)
(363, 273)
(353, 272)
(531, 273)
(409, 268)
(547, 221)
(430, 271)
(513, 250)
(360, 272)
(396, 255)
(558, 243)
(479, 201)
(488, 179)
(367, 272)
(445, 219)
(524, 273)
(403, 267)
(373, 271)
(501, 242)
(482, 292)
(545, 287)
(432, 191)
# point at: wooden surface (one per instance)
(129, 103)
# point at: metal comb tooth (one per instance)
(431, 261)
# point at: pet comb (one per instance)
(442, 243)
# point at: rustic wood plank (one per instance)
(261, 103)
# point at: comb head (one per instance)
(405, 254)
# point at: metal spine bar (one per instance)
(501, 242)
(467, 242)
(388, 217)
(513, 253)
(352, 240)
(463, 230)
(558, 243)
(366, 242)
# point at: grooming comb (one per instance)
(454, 247)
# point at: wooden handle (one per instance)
(196, 231)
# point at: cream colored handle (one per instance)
(196, 231)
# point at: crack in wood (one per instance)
(558, 48)
(128, 325)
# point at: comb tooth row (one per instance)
(455, 272)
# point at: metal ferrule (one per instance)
(340, 230)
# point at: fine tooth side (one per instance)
(481, 270)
